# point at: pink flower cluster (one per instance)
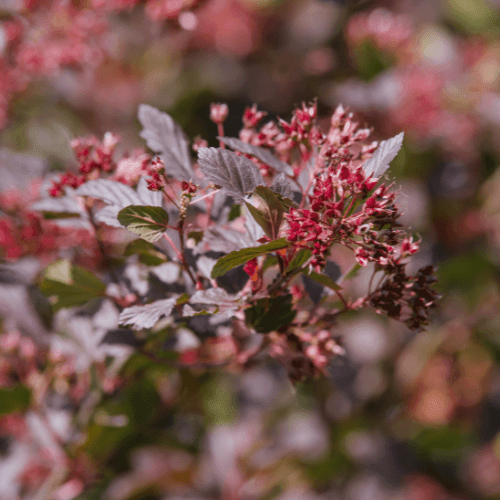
(95, 158)
(157, 10)
(440, 88)
(47, 37)
(304, 354)
(388, 31)
(342, 204)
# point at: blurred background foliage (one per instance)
(403, 415)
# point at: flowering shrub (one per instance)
(275, 206)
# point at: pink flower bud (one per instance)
(218, 112)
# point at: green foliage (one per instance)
(70, 285)
(147, 252)
(218, 401)
(148, 222)
(370, 61)
(299, 260)
(234, 212)
(443, 443)
(473, 16)
(352, 273)
(270, 314)
(238, 257)
(14, 399)
(323, 279)
(267, 210)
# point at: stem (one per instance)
(173, 191)
(183, 257)
(220, 132)
(280, 262)
(350, 205)
(285, 277)
(342, 298)
(172, 244)
(171, 199)
(203, 197)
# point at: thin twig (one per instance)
(172, 244)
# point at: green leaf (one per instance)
(147, 222)
(270, 314)
(267, 210)
(352, 273)
(70, 285)
(13, 399)
(197, 236)
(59, 215)
(234, 212)
(238, 257)
(323, 279)
(86, 280)
(271, 260)
(147, 252)
(301, 257)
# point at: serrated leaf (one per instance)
(118, 196)
(323, 279)
(147, 222)
(385, 153)
(147, 252)
(236, 174)
(111, 192)
(264, 155)
(233, 259)
(270, 314)
(281, 186)
(267, 210)
(167, 138)
(147, 316)
(225, 303)
(189, 312)
(216, 296)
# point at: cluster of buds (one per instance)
(407, 298)
(188, 191)
(93, 156)
(26, 233)
(67, 179)
(304, 354)
(321, 348)
(157, 181)
(339, 186)
(302, 128)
